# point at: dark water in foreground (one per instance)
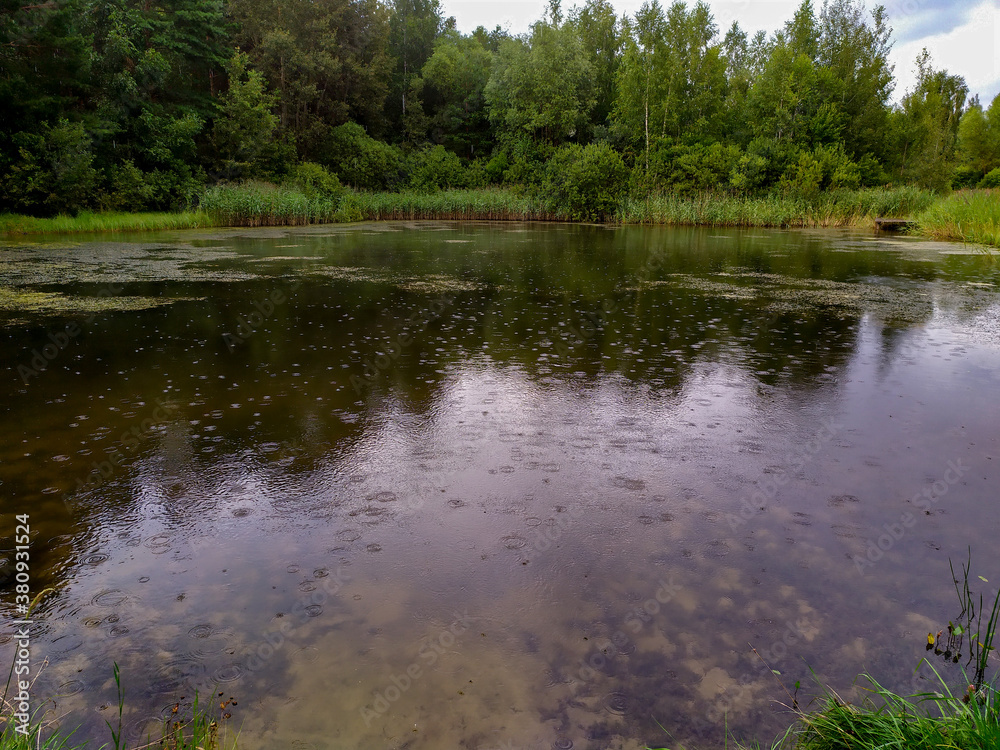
(492, 486)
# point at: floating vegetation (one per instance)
(14, 300)
(787, 294)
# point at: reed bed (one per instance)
(967, 216)
(459, 205)
(832, 209)
(261, 204)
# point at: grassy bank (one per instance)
(86, 221)
(966, 216)
(971, 216)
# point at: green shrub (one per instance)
(991, 180)
(432, 169)
(127, 189)
(965, 177)
(496, 168)
(585, 182)
(361, 161)
(53, 171)
(688, 169)
(314, 181)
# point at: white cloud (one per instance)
(971, 50)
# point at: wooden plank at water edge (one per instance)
(893, 225)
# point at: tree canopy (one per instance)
(141, 105)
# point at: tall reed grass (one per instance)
(831, 209)
(968, 216)
(261, 204)
(486, 204)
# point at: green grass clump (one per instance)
(110, 221)
(968, 216)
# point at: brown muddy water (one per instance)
(491, 486)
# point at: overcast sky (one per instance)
(963, 36)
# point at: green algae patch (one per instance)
(785, 294)
(20, 302)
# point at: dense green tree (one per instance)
(245, 127)
(328, 61)
(855, 52)
(979, 137)
(447, 100)
(672, 82)
(541, 88)
(414, 26)
(928, 125)
(600, 34)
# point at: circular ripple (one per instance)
(627, 649)
(348, 535)
(72, 687)
(616, 703)
(307, 586)
(646, 520)
(385, 497)
(456, 503)
(532, 521)
(93, 622)
(563, 743)
(374, 547)
(118, 631)
(229, 673)
(514, 541)
(242, 512)
(321, 573)
(200, 631)
(95, 558)
(314, 610)
(158, 540)
(110, 598)
(213, 644)
(112, 619)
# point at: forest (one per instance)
(122, 105)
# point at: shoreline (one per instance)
(934, 217)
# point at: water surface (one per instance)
(492, 485)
